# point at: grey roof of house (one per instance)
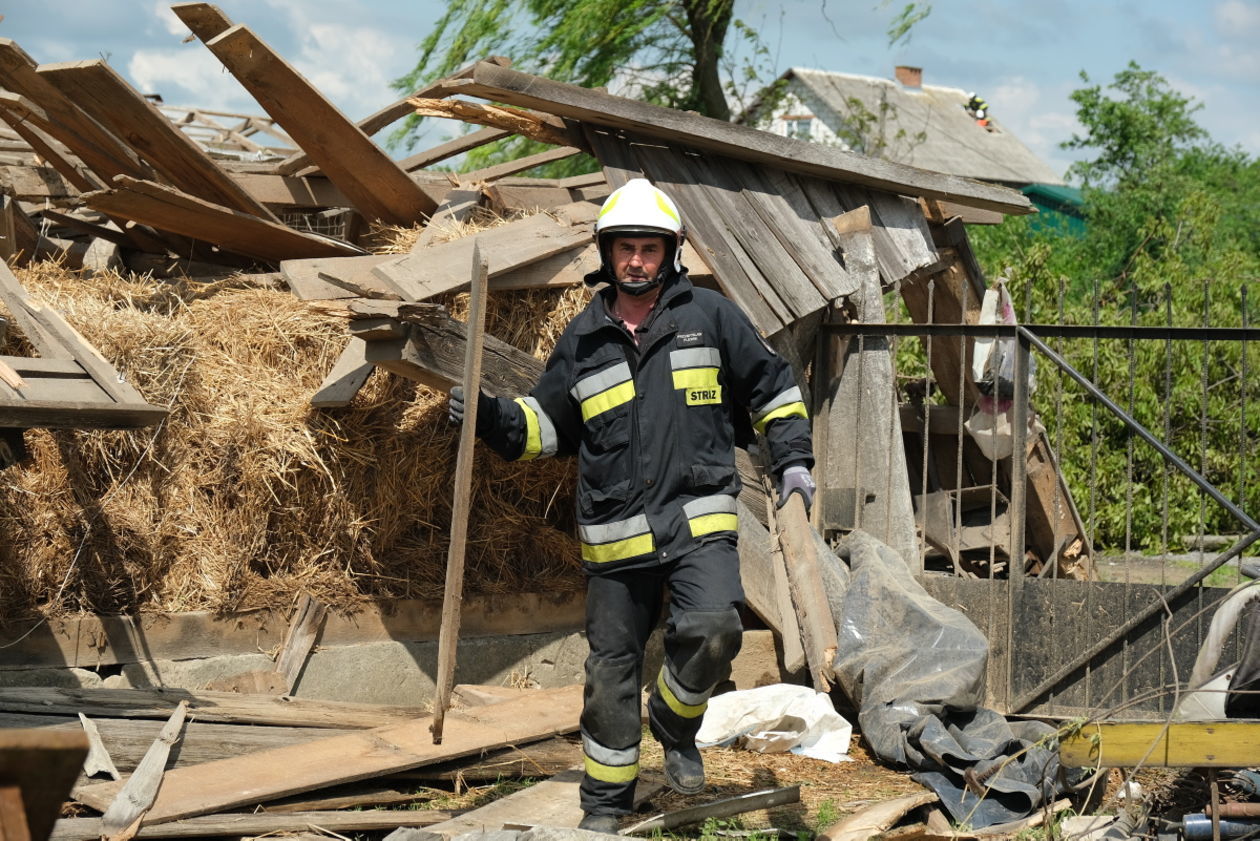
(952, 141)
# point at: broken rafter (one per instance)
(517, 120)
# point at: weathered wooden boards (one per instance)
(236, 825)
(71, 385)
(267, 775)
(37, 768)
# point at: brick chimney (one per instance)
(909, 77)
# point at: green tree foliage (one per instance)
(1171, 239)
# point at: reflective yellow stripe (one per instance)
(631, 547)
(789, 410)
(710, 523)
(611, 773)
(671, 700)
(605, 400)
(696, 378)
(533, 434)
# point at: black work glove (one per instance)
(486, 409)
(795, 478)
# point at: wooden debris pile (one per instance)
(803, 237)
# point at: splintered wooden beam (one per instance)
(596, 108)
(538, 127)
(271, 774)
(360, 168)
(110, 100)
(123, 816)
(809, 595)
(448, 638)
(171, 210)
(104, 153)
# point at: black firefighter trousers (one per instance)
(702, 636)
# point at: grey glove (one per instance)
(796, 479)
(455, 408)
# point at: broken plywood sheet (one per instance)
(267, 775)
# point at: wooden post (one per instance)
(448, 635)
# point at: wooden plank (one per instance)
(433, 354)
(267, 775)
(493, 173)
(677, 127)
(46, 414)
(780, 203)
(448, 637)
(205, 20)
(171, 210)
(43, 765)
(205, 706)
(775, 271)
(865, 453)
(17, 111)
(345, 379)
(764, 577)
(290, 192)
(370, 179)
(137, 794)
(308, 619)
(110, 100)
(443, 267)
(552, 802)
(809, 595)
(13, 823)
(455, 209)
(324, 278)
(1190, 744)
(19, 238)
(127, 739)
(35, 184)
(103, 153)
(451, 148)
(84, 226)
(373, 123)
(98, 759)
(237, 825)
(93, 641)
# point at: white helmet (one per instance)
(639, 209)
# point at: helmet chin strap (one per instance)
(638, 287)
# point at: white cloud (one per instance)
(172, 24)
(349, 65)
(1040, 116)
(1237, 19)
(190, 76)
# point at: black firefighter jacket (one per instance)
(655, 425)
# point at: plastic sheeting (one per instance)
(916, 670)
(777, 718)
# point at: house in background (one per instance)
(906, 121)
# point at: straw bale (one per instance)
(245, 495)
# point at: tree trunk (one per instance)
(708, 21)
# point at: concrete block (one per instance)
(66, 678)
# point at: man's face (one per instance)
(637, 258)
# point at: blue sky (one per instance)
(1024, 56)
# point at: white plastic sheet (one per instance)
(776, 719)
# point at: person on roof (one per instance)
(652, 385)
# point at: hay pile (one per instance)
(245, 495)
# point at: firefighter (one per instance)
(652, 386)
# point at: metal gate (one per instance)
(1143, 414)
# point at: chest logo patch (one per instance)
(707, 396)
(690, 339)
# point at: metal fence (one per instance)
(1144, 412)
